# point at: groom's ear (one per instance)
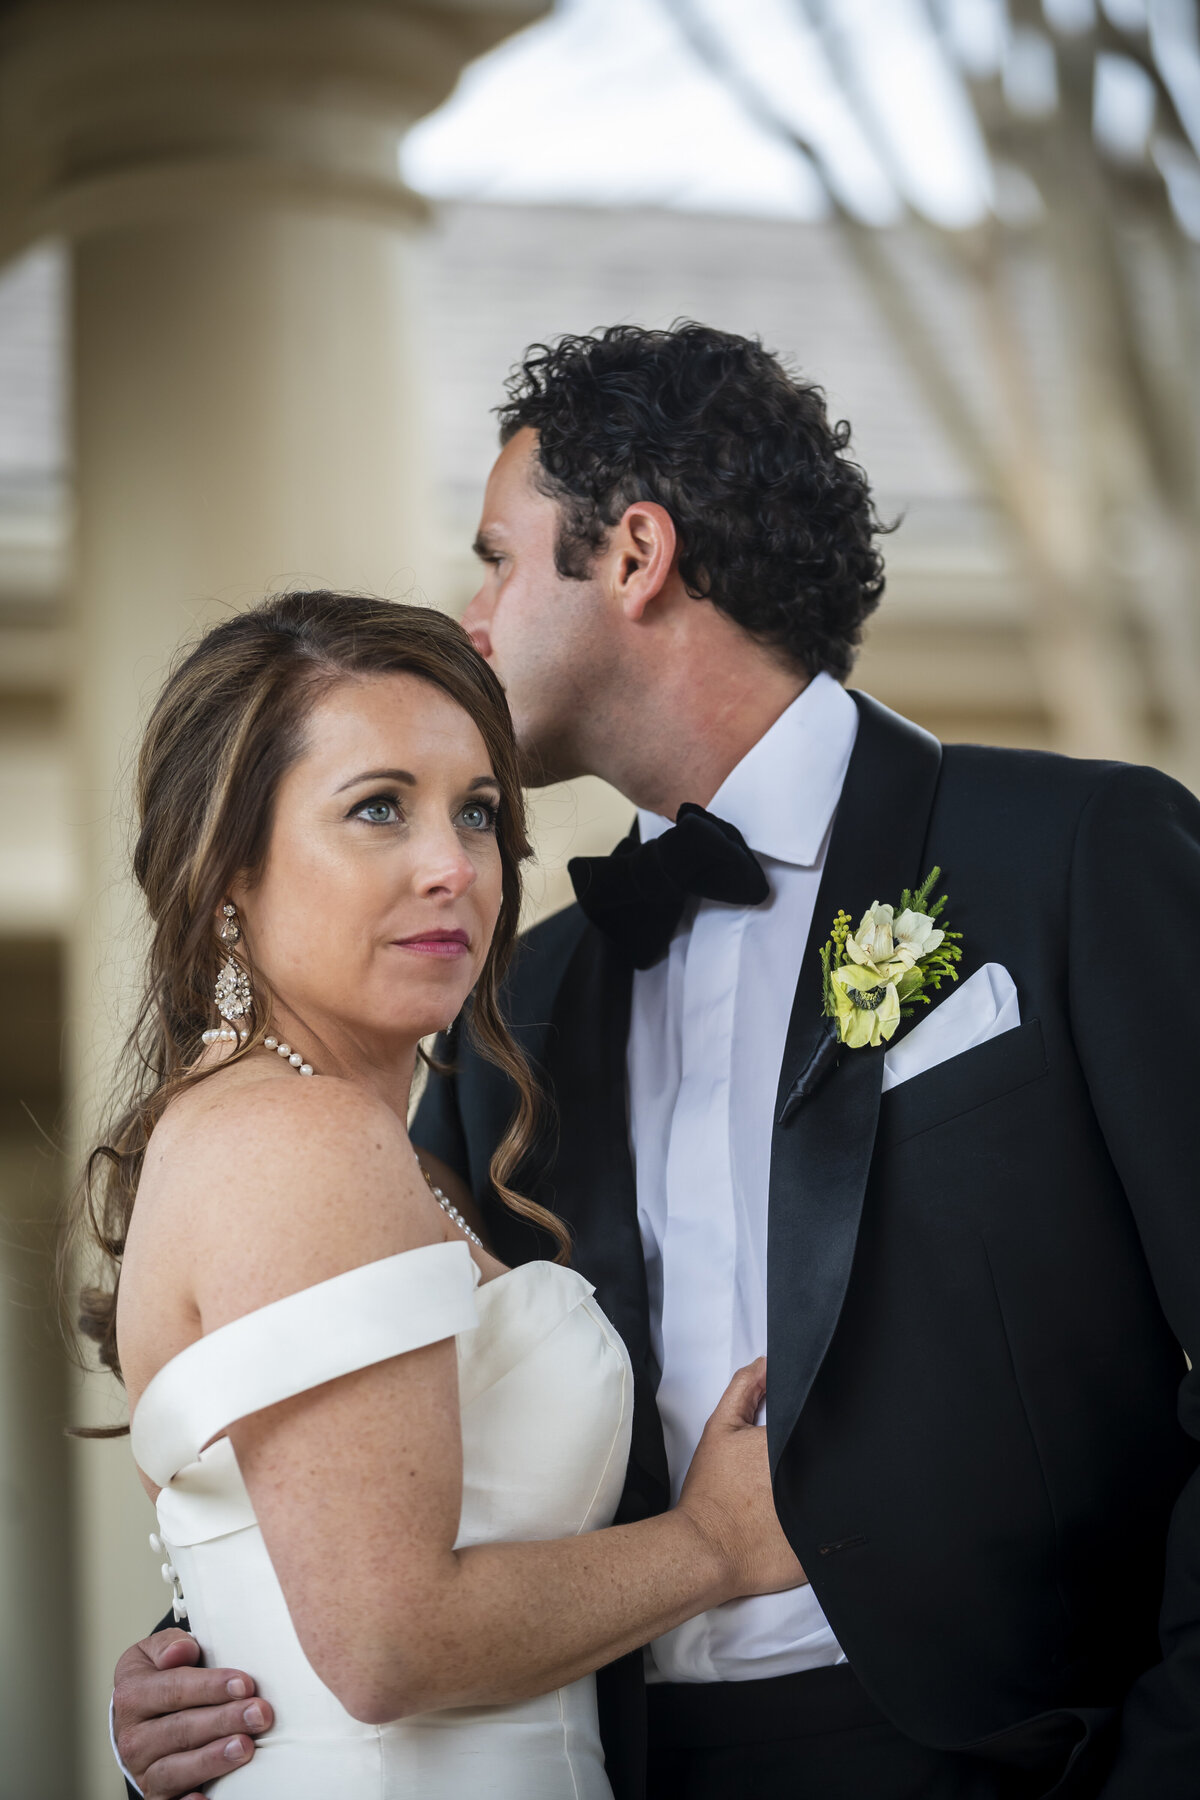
(640, 556)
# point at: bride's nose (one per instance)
(443, 866)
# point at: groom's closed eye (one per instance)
(486, 550)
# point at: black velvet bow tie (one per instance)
(637, 895)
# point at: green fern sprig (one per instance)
(919, 901)
(936, 967)
(834, 947)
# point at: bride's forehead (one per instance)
(373, 714)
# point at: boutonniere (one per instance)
(876, 976)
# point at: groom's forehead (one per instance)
(511, 492)
(514, 467)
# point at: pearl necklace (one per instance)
(447, 1205)
(217, 1034)
(298, 1063)
(288, 1054)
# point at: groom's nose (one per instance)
(475, 624)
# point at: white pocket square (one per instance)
(981, 1008)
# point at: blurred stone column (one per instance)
(248, 401)
(248, 417)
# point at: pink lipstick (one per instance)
(435, 943)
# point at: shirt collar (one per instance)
(783, 794)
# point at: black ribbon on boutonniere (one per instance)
(822, 1061)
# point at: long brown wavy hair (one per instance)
(228, 725)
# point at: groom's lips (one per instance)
(436, 943)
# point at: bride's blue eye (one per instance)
(478, 815)
(380, 809)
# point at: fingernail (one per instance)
(254, 1717)
(234, 1751)
(236, 1689)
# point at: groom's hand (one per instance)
(179, 1726)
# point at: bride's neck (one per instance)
(385, 1065)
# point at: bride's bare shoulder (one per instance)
(280, 1181)
(246, 1112)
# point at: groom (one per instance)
(969, 1245)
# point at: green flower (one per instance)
(866, 1006)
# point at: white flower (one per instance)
(872, 945)
(915, 936)
(889, 944)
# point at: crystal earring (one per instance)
(232, 993)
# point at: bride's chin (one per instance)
(398, 1020)
(409, 1029)
(429, 1005)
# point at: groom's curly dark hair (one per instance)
(775, 524)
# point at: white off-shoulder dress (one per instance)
(546, 1398)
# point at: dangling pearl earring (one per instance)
(232, 993)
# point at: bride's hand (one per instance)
(727, 1492)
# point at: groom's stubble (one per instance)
(544, 634)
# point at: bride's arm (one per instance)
(357, 1484)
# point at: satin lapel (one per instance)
(591, 1182)
(821, 1158)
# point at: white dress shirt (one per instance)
(705, 1046)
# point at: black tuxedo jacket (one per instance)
(983, 1428)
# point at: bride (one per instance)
(385, 1466)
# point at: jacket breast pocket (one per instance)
(962, 1083)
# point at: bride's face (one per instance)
(382, 883)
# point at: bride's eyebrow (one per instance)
(406, 779)
(401, 775)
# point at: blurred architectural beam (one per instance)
(1135, 472)
(247, 415)
(1133, 492)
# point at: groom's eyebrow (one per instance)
(484, 546)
